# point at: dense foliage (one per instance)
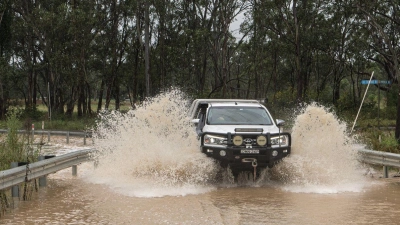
(64, 54)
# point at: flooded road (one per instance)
(68, 200)
(150, 171)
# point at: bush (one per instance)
(15, 148)
(381, 140)
(32, 114)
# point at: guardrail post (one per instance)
(33, 132)
(84, 139)
(96, 163)
(42, 180)
(14, 189)
(74, 170)
(48, 136)
(68, 137)
(385, 172)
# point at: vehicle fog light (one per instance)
(222, 153)
(237, 140)
(209, 151)
(261, 140)
(274, 153)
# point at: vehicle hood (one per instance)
(224, 129)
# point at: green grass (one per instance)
(381, 140)
(368, 123)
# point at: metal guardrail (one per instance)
(67, 134)
(18, 175)
(385, 159)
(380, 158)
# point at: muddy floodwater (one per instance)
(68, 200)
(149, 170)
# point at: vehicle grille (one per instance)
(249, 140)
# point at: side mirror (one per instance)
(195, 121)
(280, 122)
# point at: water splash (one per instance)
(151, 151)
(323, 159)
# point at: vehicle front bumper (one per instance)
(238, 160)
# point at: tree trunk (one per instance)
(299, 74)
(397, 132)
(89, 99)
(101, 92)
(147, 42)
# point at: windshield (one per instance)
(238, 116)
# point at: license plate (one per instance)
(250, 151)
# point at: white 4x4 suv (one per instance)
(239, 133)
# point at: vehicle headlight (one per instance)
(280, 141)
(214, 140)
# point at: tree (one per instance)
(382, 23)
(5, 54)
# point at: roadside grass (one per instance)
(377, 134)
(373, 123)
(16, 148)
(380, 139)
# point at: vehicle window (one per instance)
(238, 116)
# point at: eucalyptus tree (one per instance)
(36, 52)
(5, 54)
(182, 43)
(222, 43)
(28, 48)
(307, 46)
(192, 44)
(290, 25)
(52, 44)
(335, 42)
